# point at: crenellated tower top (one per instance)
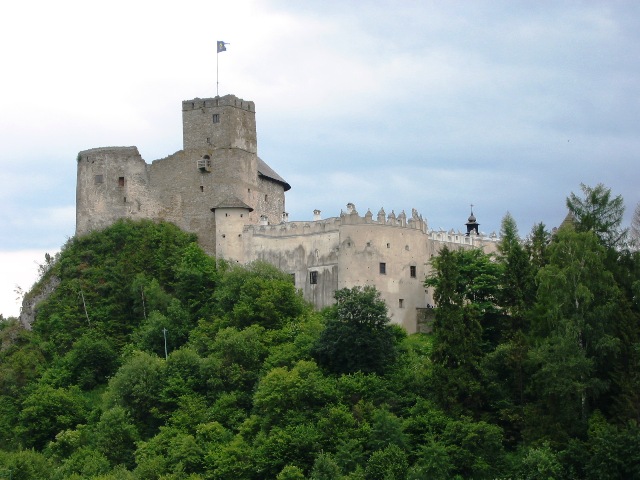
(219, 122)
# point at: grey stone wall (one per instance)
(235, 125)
(112, 183)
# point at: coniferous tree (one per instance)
(597, 212)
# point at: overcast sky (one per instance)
(395, 104)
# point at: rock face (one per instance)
(30, 302)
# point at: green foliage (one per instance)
(357, 335)
(285, 396)
(24, 465)
(597, 212)
(91, 361)
(457, 330)
(97, 273)
(259, 294)
(325, 468)
(137, 387)
(540, 463)
(291, 472)
(536, 245)
(115, 436)
(387, 464)
(47, 411)
(520, 379)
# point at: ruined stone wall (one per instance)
(112, 183)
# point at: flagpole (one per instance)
(220, 47)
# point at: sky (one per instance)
(505, 105)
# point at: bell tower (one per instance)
(472, 224)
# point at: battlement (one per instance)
(351, 217)
(94, 153)
(226, 101)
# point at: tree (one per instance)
(325, 468)
(115, 436)
(47, 411)
(536, 246)
(286, 396)
(597, 212)
(517, 292)
(387, 464)
(463, 295)
(573, 324)
(357, 336)
(137, 387)
(635, 229)
(91, 360)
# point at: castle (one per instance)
(218, 188)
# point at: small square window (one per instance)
(401, 303)
(313, 278)
(216, 118)
(383, 268)
(99, 179)
(388, 245)
(412, 271)
(121, 181)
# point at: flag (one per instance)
(221, 46)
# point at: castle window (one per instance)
(401, 303)
(224, 236)
(121, 181)
(383, 268)
(202, 188)
(388, 245)
(216, 118)
(265, 198)
(99, 179)
(313, 278)
(412, 271)
(204, 164)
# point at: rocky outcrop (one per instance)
(31, 301)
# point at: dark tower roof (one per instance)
(232, 202)
(472, 224)
(266, 171)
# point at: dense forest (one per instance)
(151, 360)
